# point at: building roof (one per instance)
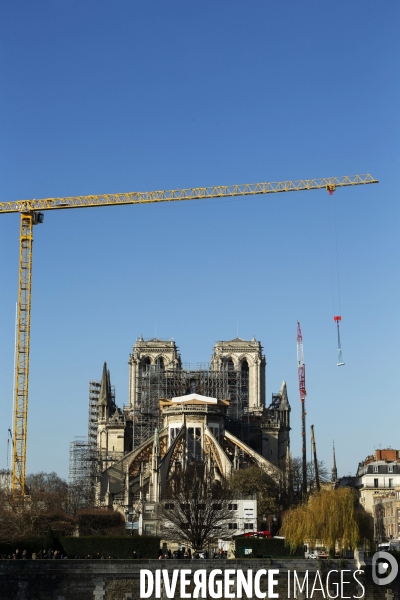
(198, 397)
(194, 399)
(385, 455)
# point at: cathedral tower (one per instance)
(150, 355)
(244, 357)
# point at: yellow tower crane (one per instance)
(30, 215)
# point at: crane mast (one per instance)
(302, 389)
(30, 216)
(28, 220)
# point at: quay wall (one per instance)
(119, 579)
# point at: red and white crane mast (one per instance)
(302, 389)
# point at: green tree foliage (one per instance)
(255, 481)
(331, 516)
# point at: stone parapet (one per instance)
(119, 579)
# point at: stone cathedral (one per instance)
(214, 413)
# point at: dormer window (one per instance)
(390, 469)
(375, 469)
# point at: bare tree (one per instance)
(295, 477)
(80, 495)
(12, 525)
(194, 511)
(48, 489)
(43, 508)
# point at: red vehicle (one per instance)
(266, 534)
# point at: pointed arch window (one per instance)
(194, 444)
(146, 362)
(229, 365)
(244, 382)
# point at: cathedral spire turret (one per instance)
(104, 400)
(283, 393)
(105, 388)
(334, 469)
(107, 498)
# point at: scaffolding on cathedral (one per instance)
(154, 383)
(94, 392)
(83, 453)
(78, 461)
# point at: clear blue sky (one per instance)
(122, 96)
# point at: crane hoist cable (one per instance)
(31, 214)
(333, 232)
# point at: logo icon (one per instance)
(384, 568)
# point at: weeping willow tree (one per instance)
(330, 516)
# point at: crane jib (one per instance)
(248, 189)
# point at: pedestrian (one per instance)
(24, 554)
(139, 554)
(17, 554)
(134, 554)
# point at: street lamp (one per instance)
(274, 520)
